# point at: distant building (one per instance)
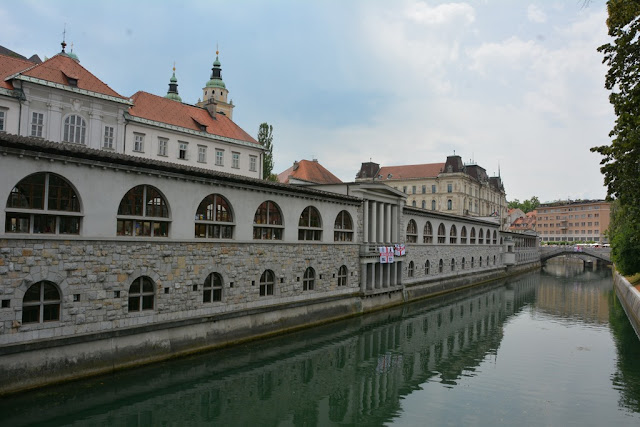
(573, 221)
(524, 222)
(61, 101)
(450, 187)
(308, 172)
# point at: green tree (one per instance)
(265, 138)
(526, 206)
(621, 159)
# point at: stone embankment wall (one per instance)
(629, 297)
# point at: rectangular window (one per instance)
(219, 157)
(433, 188)
(235, 160)
(138, 142)
(413, 189)
(108, 137)
(37, 123)
(162, 146)
(449, 188)
(404, 189)
(202, 154)
(3, 117)
(253, 162)
(182, 150)
(424, 189)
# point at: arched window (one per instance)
(495, 237)
(54, 202)
(464, 263)
(472, 262)
(433, 205)
(413, 203)
(487, 260)
(411, 269)
(440, 266)
(453, 264)
(463, 235)
(41, 303)
(428, 233)
(214, 219)
(449, 204)
(141, 294)
(212, 288)
(494, 260)
(424, 204)
(480, 236)
(453, 235)
(343, 228)
(472, 239)
(488, 236)
(310, 224)
(342, 275)
(309, 279)
(267, 281)
(412, 232)
(427, 267)
(441, 233)
(480, 261)
(267, 222)
(142, 212)
(75, 129)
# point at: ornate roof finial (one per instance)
(172, 93)
(64, 36)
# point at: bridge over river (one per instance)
(601, 254)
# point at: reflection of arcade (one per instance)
(359, 368)
(587, 301)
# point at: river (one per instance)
(547, 348)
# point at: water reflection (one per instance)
(355, 372)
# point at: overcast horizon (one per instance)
(516, 87)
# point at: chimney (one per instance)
(211, 106)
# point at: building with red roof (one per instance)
(59, 100)
(308, 172)
(451, 187)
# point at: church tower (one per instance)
(172, 93)
(215, 92)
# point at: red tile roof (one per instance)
(164, 110)
(430, 170)
(61, 67)
(310, 171)
(9, 66)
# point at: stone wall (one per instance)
(94, 279)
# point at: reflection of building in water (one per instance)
(588, 300)
(354, 374)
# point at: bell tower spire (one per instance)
(215, 92)
(172, 93)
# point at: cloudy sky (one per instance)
(514, 86)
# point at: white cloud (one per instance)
(442, 14)
(535, 14)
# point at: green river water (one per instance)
(551, 348)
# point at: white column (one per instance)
(363, 276)
(387, 222)
(394, 224)
(374, 220)
(380, 223)
(365, 208)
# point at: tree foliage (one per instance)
(265, 138)
(621, 159)
(526, 206)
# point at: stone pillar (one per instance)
(387, 275)
(387, 222)
(374, 220)
(392, 274)
(365, 216)
(380, 223)
(363, 276)
(394, 224)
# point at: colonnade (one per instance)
(380, 276)
(380, 222)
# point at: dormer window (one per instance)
(72, 82)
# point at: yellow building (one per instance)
(450, 187)
(573, 221)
